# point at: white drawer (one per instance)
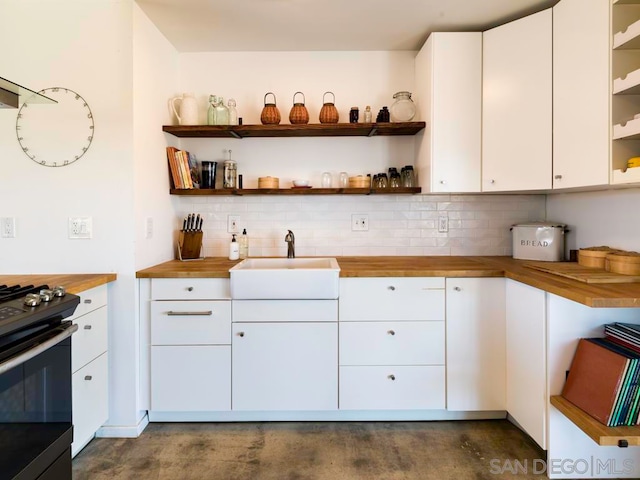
(90, 401)
(392, 343)
(90, 300)
(191, 323)
(392, 298)
(190, 378)
(285, 310)
(91, 339)
(392, 388)
(190, 288)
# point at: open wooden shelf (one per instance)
(296, 191)
(599, 433)
(309, 130)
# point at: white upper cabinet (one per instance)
(581, 93)
(448, 94)
(517, 110)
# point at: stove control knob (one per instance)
(46, 295)
(59, 291)
(32, 300)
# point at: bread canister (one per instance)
(543, 241)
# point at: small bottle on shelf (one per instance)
(367, 114)
(211, 111)
(233, 112)
(222, 112)
(234, 248)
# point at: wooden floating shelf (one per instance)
(296, 191)
(599, 433)
(309, 130)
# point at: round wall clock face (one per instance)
(55, 135)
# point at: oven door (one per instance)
(35, 402)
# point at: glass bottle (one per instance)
(367, 114)
(211, 111)
(222, 112)
(403, 109)
(244, 244)
(233, 113)
(408, 177)
(230, 174)
(394, 178)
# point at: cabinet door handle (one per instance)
(558, 177)
(88, 377)
(391, 332)
(87, 300)
(443, 182)
(189, 289)
(241, 334)
(171, 313)
(391, 377)
(492, 181)
(391, 287)
(457, 289)
(87, 327)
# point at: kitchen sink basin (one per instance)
(285, 278)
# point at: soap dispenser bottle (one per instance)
(244, 244)
(234, 248)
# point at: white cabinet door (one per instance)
(448, 94)
(285, 366)
(476, 355)
(91, 339)
(581, 93)
(90, 397)
(516, 116)
(527, 395)
(190, 378)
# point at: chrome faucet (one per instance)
(291, 247)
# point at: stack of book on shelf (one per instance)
(183, 168)
(604, 376)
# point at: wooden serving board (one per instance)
(582, 274)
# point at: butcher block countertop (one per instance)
(592, 295)
(72, 282)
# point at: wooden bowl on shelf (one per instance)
(268, 182)
(594, 256)
(625, 263)
(359, 181)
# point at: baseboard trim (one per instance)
(123, 431)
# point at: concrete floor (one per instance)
(461, 450)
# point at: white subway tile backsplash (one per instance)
(398, 224)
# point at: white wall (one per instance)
(87, 47)
(599, 218)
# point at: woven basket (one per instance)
(329, 112)
(626, 263)
(359, 181)
(594, 256)
(298, 114)
(270, 114)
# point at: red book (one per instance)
(595, 379)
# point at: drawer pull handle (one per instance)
(558, 177)
(204, 313)
(391, 287)
(189, 289)
(87, 300)
(88, 377)
(87, 327)
(457, 289)
(391, 377)
(391, 332)
(241, 334)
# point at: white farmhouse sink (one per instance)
(285, 278)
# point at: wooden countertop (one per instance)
(72, 282)
(592, 295)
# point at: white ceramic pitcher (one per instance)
(187, 112)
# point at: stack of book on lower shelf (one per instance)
(183, 168)
(605, 375)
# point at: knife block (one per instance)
(189, 245)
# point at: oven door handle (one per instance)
(38, 349)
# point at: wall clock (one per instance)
(55, 135)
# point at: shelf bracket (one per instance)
(372, 132)
(235, 134)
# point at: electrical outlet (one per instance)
(148, 227)
(443, 224)
(80, 227)
(233, 224)
(359, 222)
(8, 227)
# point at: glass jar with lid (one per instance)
(403, 109)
